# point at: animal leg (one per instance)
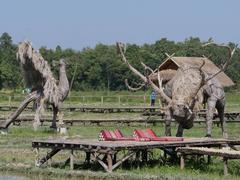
(209, 117)
(36, 122)
(168, 119)
(31, 97)
(180, 130)
(220, 109)
(60, 117)
(55, 113)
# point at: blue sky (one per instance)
(83, 23)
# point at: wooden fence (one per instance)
(118, 99)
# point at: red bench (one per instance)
(150, 135)
(138, 135)
(115, 135)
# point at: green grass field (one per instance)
(16, 152)
(18, 157)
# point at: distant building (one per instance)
(171, 64)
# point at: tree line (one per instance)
(100, 68)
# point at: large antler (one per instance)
(120, 47)
(201, 84)
(160, 88)
(145, 79)
(133, 88)
(230, 55)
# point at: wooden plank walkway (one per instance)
(202, 114)
(105, 152)
(225, 153)
(96, 109)
(146, 111)
(126, 121)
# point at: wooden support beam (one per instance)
(71, 160)
(37, 155)
(88, 157)
(49, 162)
(144, 156)
(47, 157)
(67, 161)
(114, 158)
(122, 160)
(208, 159)
(225, 164)
(102, 163)
(138, 158)
(109, 162)
(182, 161)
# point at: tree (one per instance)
(100, 67)
(9, 65)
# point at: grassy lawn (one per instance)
(17, 155)
(111, 98)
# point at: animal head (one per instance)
(25, 51)
(186, 85)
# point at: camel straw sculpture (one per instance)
(45, 89)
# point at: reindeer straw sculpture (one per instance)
(45, 89)
(190, 85)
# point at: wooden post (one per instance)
(182, 163)
(102, 99)
(110, 163)
(138, 158)
(165, 155)
(144, 99)
(37, 157)
(71, 160)
(9, 100)
(88, 156)
(144, 156)
(225, 168)
(208, 159)
(50, 162)
(119, 100)
(114, 158)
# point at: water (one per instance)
(10, 177)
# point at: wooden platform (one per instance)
(105, 152)
(226, 153)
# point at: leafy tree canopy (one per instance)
(100, 67)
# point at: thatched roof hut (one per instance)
(173, 63)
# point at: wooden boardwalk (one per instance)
(226, 154)
(202, 114)
(127, 121)
(146, 111)
(96, 109)
(106, 153)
